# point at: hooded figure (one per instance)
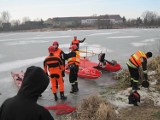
(23, 106)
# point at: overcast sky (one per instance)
(66, 8)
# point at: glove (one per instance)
(63, 73)
(135, 86)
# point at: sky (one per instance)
(44, 9)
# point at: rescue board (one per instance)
(85, 62)
(18, 78)
(91, 70)
(89, 73)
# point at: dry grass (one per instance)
(154, 65)
(123, 79)
(95, 108)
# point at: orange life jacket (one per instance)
(57, 52)
(53, 64)
(75, 59)
(75, 42)
(137, 57)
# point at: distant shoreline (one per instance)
(69, 29)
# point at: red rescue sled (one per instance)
(84, 62)
(91, 70)
(87, 72)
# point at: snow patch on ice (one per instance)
(123, 37)
(8, 66)
(1, 56)
(96, 34)
(138, 44)
(144, 42)
(24, 42)
(120, 99)
(33, 38)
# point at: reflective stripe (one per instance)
(134, 80)
(69, 59)
(75, 59)
(131, 65)
(137, 58)
(145, 71)
(143, 54)
(72, 83)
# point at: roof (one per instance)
(116, 17)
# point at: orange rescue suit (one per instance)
(57, 52)
(75, 42)
(54, 66)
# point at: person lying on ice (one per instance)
(23, 106)
(102, 61)
(135, 61)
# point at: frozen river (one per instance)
(22, 49)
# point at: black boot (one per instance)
(135, 86)
(73, 89)
(62, 96)
(55, 97)
(131, 82)
(76, 87)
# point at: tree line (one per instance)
(147, 19)
(26, 24)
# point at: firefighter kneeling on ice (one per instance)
(54, 66)
(73, 64)
(137, 60)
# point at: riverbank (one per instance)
(115, 100)
(80, 28)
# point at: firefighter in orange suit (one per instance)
(76, 41)
(135, 61)
(58, 52)
(73, 64)
(54, 66)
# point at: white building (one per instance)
(88, 21)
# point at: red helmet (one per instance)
(50, 49)
(55, 43)
(75, 37)
(73, 47)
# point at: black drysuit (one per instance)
(23, 106)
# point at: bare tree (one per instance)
(5, 16)
(25, 19)
(15, 22)
(149, 17)
(0, 21)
